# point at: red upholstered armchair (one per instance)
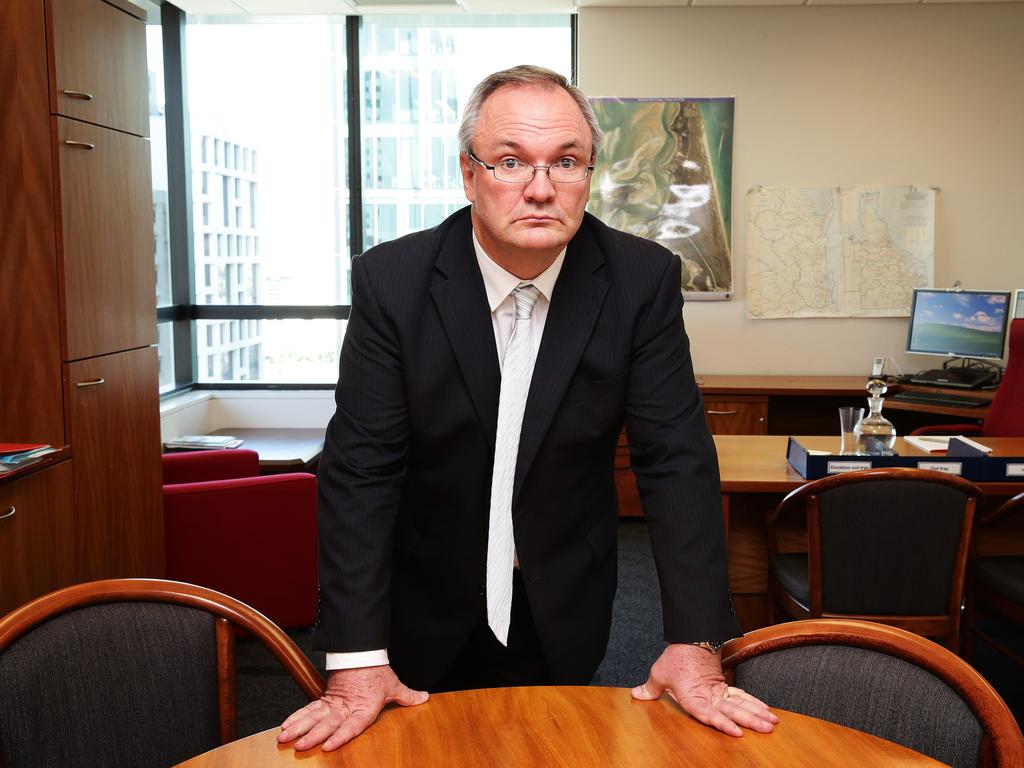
(249, 536)
(1006, 414)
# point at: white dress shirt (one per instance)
(499, 284)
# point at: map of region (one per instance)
(838, 251)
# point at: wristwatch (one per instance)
(711, 646)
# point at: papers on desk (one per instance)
(18, 455)
(203, 442)
(937, 443)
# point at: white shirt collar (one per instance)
(499, 283)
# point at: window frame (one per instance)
(183, 312)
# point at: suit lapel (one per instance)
(461, 301)
(575, 305)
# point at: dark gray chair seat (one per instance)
(997, 582)
(791, 571)
(127, 673)
(881, 680)
(886, 543)
(1004, 575)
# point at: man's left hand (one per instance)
(693, 677)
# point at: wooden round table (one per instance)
(567, 727)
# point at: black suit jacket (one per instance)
(406, 470)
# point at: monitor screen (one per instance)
(958, 323)
(1018, 303)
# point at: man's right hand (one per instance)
(352, 701)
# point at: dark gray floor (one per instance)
(266, 695)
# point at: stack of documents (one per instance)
(17, 455)
(938, 443)
(203, 442)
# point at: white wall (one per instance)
(203, 411)
(829, 96)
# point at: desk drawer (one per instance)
(37, 550)
(736, 415)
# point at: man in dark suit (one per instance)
(467, 532)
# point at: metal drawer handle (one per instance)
(77, 94)
(9, 513)
(79, 144)
(91, 382)
(722, 413)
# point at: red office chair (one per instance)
(249, 536)
(1006, 414)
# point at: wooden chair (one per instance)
(887, 544)
(881, 680)
(127, 672)
(996, 583)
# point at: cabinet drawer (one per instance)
(37, 553)
(99, 70)
(114, 423)
(106, 207)
(737, 415)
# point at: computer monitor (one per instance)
(958, 323)
(968, 324)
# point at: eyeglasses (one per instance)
(512, 171)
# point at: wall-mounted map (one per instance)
(665, 173)
(838, 251)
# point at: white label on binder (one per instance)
(1015, 470)
(836, 467)
(949, 467)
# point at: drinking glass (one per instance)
(848, 418)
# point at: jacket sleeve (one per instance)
(360, 479)
(676, 465)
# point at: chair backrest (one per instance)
(888, 541)
(881, 680)
(201, 466)
(127, 672)
(1006, 414)
(226, 535)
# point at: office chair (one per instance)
(1006, 413)
(249, 536)
(885, 544)
(201, 466)
(127, 672)
(881, 680)
(996, 583)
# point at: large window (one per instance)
(271, 140)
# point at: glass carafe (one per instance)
(874, 433)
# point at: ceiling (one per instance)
(349, 7)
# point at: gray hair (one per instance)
(524, 74)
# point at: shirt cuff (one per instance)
(378, 658)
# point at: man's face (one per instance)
(523, 225)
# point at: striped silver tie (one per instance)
(516, 372)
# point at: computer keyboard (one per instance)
(939, 398)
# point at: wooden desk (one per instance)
(755, 477)
(281, 450)
(757, 463)
(792, 405)
(807, 404)
(568, 727)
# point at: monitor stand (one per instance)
(961, 378)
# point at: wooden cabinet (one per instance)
(37, 552)
(30, 387)
(106, 205)
(115, 434)
(77, 297)
(737, 415)
(98, 63)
